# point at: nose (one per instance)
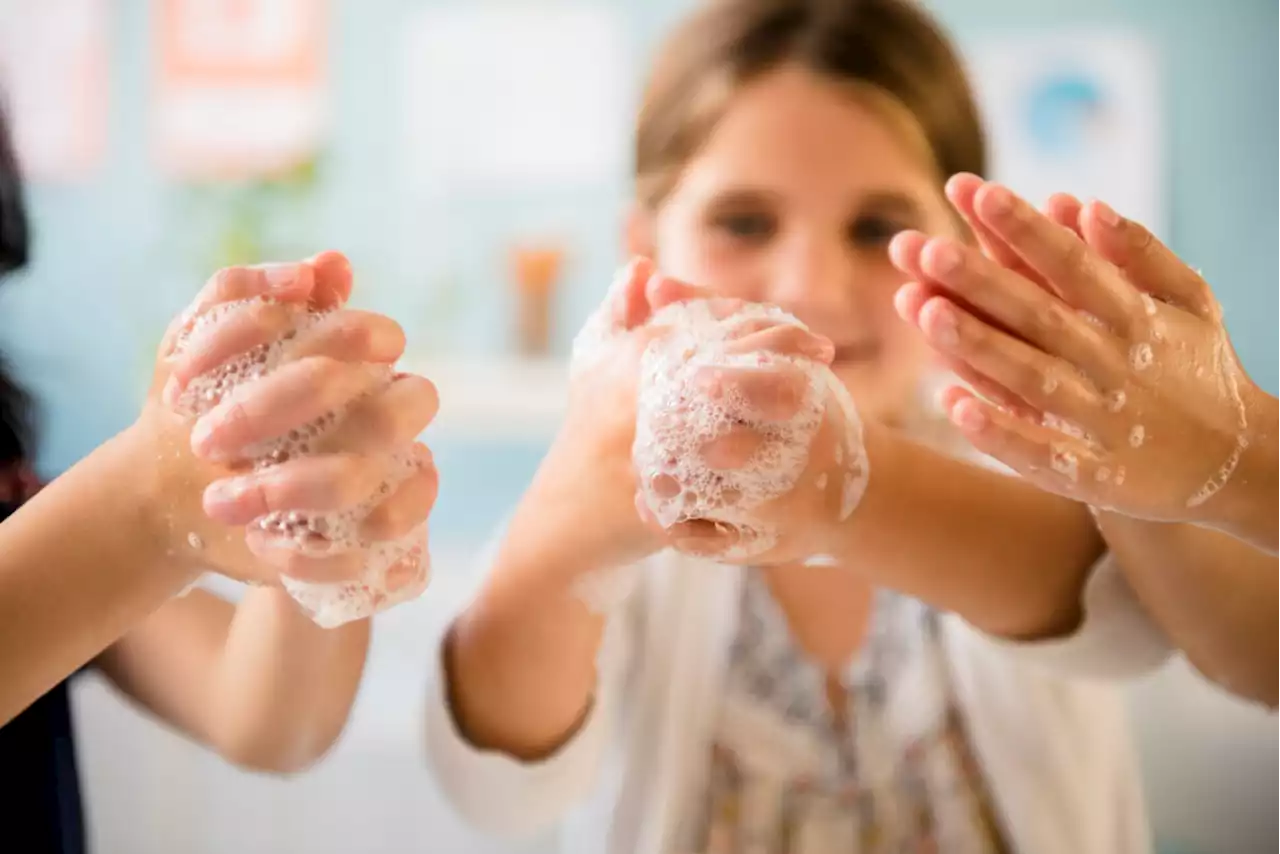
(814, 279)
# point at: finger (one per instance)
(1083, 278)
(333, 280)
(783, 339)
(906, 250)
(703, 537)
(296, 394)
(627, 305)
(352, 336)
(663, 291)
(281, 282)
(1064, 209)
(288, 557)
(322, 483)
(1146, 262)
(961, 191)
(773, 394)
(910, 298)
(405, 509)
(252, 326)
(1042, 381)
(408, 576)
(392, 418)
(990, 390)
(1050, 459)
(733, 450)
(1028, 311)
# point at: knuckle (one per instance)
(1049, 318)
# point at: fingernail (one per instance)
(698, 546)
(946, 257)
(279, 276)
(819, 349)
(222, 494)
(172, 391)
(944, 330)
(1106, 215)
(201, 436)
(999, 201)
(968, 415)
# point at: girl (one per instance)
(1183, 464)
(91, 564)
(792, 707)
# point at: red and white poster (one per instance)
(239, 85)
(53, 84)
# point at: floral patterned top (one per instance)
(889, 773)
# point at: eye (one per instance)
(745, 226)
(873, 231)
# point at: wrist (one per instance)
(585, 504)
(1246, 505)
(155, 494)
(845, 537)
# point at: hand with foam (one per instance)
(742, 444)
(286, 444)
(1117, 381)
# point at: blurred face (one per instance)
(793, 201)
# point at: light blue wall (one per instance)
(115, 258)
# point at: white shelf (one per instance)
(495, 399)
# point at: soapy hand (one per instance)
(274, 408)
(1115, 379)
(718, 421)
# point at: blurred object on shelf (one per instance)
(537, 267)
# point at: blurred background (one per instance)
(471, 158)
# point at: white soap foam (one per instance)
(678, 416)
(1140, 356)
(1137, 435)
(393, 571)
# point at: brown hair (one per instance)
(889, 48)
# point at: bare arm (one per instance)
(1212, 594)
(259, 682)
(80, 563)
(1008, 557)
(520, 662)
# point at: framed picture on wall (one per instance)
(239, 85)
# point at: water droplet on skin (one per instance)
(1049, 385)
(1137, 436)
(1064, 462)
(1115, 401)
(1119, 479)
(193, 540)
(1102, 475)
(1141, 356)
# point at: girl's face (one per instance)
(792, 201)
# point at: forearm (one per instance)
(1214, 596)
(284, 685)
(520, 662)
(1008, 557)
(80, 563)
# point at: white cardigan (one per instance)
(1055, 750)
